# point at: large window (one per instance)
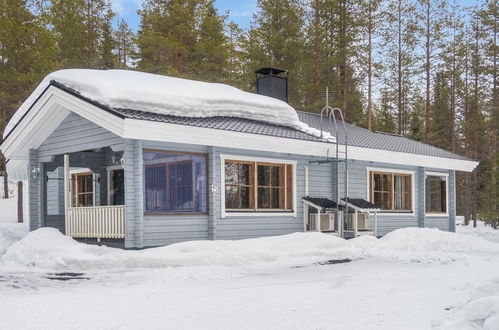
(174, 183)
(257, 186)
(436, 194)
(391, 191)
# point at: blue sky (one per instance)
(240, 11)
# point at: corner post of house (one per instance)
(67, 194)
(451, 187)
(305, 216)
(134, 211)
(318, 220)
(35, 191)
(420, 198)
(213, 192)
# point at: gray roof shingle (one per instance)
(224, 123)
(361, 137)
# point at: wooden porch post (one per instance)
(67, 197)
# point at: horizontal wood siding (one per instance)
(357, 186)
(76, 133)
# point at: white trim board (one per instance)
(436, 215)
(225, 214)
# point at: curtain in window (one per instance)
(174, 183)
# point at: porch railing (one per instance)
(96, 222)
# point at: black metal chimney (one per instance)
(272, 82)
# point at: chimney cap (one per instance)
(269, 70)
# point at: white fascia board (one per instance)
(166, 132)
(402, 158)
(47, 114)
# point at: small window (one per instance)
(436, 194)
(254, 186)
(83, 189)
(174, 183)
(391, 191)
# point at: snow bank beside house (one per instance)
(48, 248)
(167, 95)
(11, 233)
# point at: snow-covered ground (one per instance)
(410, 279)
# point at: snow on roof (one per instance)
(123, 89)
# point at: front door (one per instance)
(117, 187)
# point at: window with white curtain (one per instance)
(174, 183)
(391, 191)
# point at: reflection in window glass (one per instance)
(174, 183)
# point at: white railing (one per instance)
(96, 222)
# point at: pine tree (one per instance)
(276, 39)
(490, 194)
(332, 33)
(171, 41)
(124, 45)
(211, 52)
(371, 19)
(108, 43)
(82, 29)
(399, 44)
(441, 112)
(27, 53)
(432, 16)
(383, 119)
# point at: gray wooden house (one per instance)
(136, 178)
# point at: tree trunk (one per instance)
(427, 70)
(20, 214)
(399, 69)
(369, 71)
(5, 185)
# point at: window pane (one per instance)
(263, 198)
(289, 187)
(277, 202)
(231, 172)
(245, 174)
(436, 199)
(174, 183)
(263, 175)
(276, 172)
(231, 197)
(245, 197)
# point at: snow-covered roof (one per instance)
(124, 89)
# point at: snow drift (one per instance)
(48, 248)
(123, 89)
(11, 233)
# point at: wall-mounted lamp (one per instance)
(35, 173)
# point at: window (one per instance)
(82, 189)
(391, 191)
(255, 186)
(436, 194)
(174, 183)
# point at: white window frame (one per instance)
(109, 169)
(431, 173)
(412, 213)
(225, 214)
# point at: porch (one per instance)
(84, 195)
